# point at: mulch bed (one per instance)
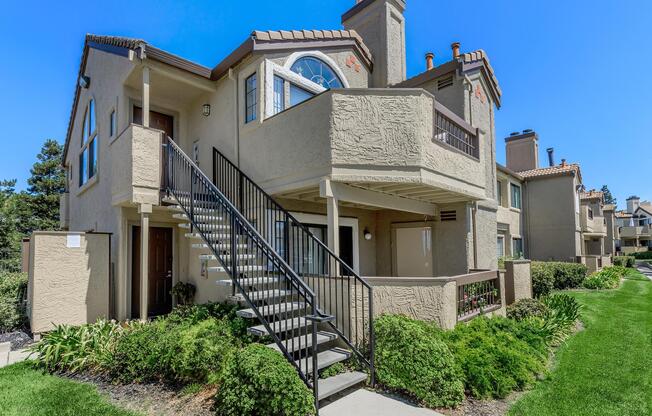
(152, 399)
(18, 339)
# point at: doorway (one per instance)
(159, 271)
(413, 252)
(158, 121)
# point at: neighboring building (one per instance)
(396, 176)
(635, 226)
(510, 215)
(594, 223)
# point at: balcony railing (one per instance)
(477, 293)
(455, 132)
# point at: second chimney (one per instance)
(551, 156)
(429, 61)
(455, 46)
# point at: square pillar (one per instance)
(145, 96)
(145, 210)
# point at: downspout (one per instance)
(236, 116)
(474, 216)
(468, 80)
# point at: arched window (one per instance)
(88, 154)
(317, 71)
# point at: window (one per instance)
(517, 247)
(112, 124)
(499, 192)
(298, 95)
(88, 153)
(251, 100)
(317, 71)
(516, 196)
(279, 94)
(590, 211)
(500, 243)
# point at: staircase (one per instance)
(302, 299)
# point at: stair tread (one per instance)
(249, 281)
(271, 309)
(335, 384)
(203, 225)
(324, 359)
(279, 326)
(263, 294)
(241, 268)
(213, 257)
(303, 341)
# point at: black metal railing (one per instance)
(454, 133)
(477, 293)
(288, 312)
(339, 290)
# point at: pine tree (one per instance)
(608, 197)
(9, 237)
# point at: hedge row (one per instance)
(12, 314)
(625, 261)
(550, 275)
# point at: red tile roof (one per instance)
(558, 170)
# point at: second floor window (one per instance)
(88, 153)
(590, 213)
(317, 71)
(279, 94)
(499, 192)
(251, 101)
(112, 124)
(517, 248)
(516, 196)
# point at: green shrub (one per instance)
(526, 308)
(12, 313)
(558, 322)
(644, 255)
(497, 355)
(76, 348)
(192, 314)
(411, 357)
(626, 261)
(333, 370)
(564, 275)
(259, 381)
(543, 279)
(201, 351)
(607, 278)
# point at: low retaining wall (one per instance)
(518, 280)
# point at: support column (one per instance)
(145, 96)
(332, 215)
(145, 210)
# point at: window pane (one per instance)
(517, 247)
(516, 196)
(92, 158)
(250, 99)
(112, 123)
(91, 117)
(499, 193)
(279, 94)
(83, 168)
(500, 242)
(298, 95)
(85, 129)
(317, 71)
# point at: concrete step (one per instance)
(199, 217)
(206, 227)
(198, 210)
(279, 326)
(219, 247)
(304, 341)
(267, 310)
(257, 295)
(251, 281)
(243, 268)
(215, 237)
(226, 257)
(325, 359)
(335, 384)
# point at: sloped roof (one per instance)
(592, 194)
(508, 171)
(559, 170)
(480, 56)
(623, 214)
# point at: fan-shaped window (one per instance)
(317, 71)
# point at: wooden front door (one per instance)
(159, 273)
(157, 121)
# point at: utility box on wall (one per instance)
(68, 278)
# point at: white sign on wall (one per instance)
(73, 241)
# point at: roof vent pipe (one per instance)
(551, 156)
(563, 162)
(455, 46)
(429, 61)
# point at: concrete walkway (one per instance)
(8, 357)
(645, 269)
(368, 403)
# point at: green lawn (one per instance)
(607, 368)
(24, 391)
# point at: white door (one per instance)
(413, 253)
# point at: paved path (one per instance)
(8, 357)
(368, 403)
(645, 269)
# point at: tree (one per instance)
(38, 207)
(608, 198)
(9, 236)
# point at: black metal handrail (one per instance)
(209, 211)
(339, 290)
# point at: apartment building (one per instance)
(634, 226)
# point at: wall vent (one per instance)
(444, 82)
(448, 215)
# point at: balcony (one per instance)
(592, 225)
(636, 232)
(136, 166)
(374, 139)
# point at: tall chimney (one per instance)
(551, 156)
(381, 25)
(429, 58)
(455, 46)
(522, 151)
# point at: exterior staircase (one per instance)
(301, 298)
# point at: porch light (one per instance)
(367, 234)
(206, 110)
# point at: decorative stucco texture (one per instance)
(518, 280)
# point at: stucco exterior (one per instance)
(518, 280)
(68, 279)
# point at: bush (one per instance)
(259, 381)
(565, 275)
(526, 308)
(607, 278)
(543, 279)
(497, 355)
(625, 261)
(411, 357)
(12, 289)
(192, 314)
(644, 255)
(558, 322)
(75, 348)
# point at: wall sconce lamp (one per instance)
(206, 110)
(367, 234)
(84, 81)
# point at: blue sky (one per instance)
(575, 71)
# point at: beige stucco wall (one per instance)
(518, 280)
(67, 285)
(510, 220)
